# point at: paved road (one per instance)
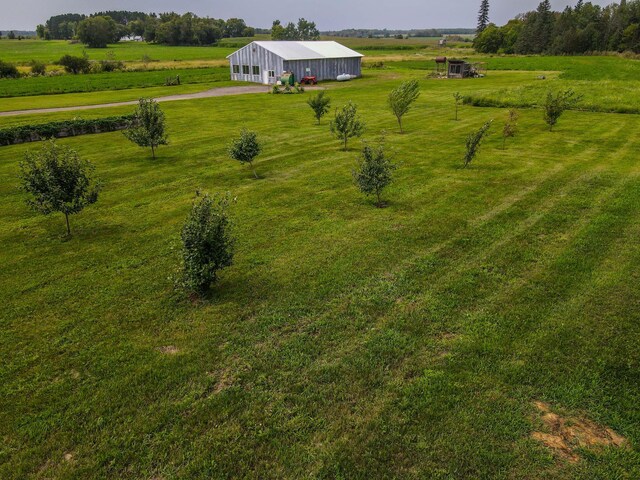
(214, 92)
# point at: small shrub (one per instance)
(8, 70)
(474, 140)
(38, 68)
(246, 148)
(77, 126)
(110, 64)
(207, 243)
(374, 172)
(376, 66)
(75, 65)
(57, 180)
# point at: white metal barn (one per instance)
(264, 62)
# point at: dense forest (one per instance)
(385, 33)
(166, 28)
(580, 29)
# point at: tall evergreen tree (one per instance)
(543, 27)
(483, 16)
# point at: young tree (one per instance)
(510, 128)
(11, 35)
(402, 97)
(320, 105)
(555, 106)
(207, 243)
(474, 140)
(75, 65)
(374, 172)
(246, 148)
(147, 127)
(458, 98)
(347, 124)
(483, 16)
(57, 180)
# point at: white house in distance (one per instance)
(264, 62)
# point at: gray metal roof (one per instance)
(306, 50)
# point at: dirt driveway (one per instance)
(214, 92)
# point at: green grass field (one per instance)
(22, 52)
(108, 81)
(346, 341)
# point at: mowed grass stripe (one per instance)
(345, 339)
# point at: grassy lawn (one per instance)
(108, 81)
(346, 341)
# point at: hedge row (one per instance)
(69, 128)
(488, 102)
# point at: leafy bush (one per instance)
(33, 133)
(110, 64)
(207, 243)
(286, 89)
(8, 70)
(38, 68)
(74, 64)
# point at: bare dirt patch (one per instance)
(566, 435)
(169, 350)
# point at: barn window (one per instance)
(256, 70)
(236, 69)
(272, 74)
(245, 69)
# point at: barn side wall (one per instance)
(324, 69)
(254, 55)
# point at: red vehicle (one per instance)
(309, 80)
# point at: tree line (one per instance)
(99, 29)
(580, 29)
(385, 33)
(304, 30)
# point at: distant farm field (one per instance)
(24, 51)
(108, 81)
(484, 325)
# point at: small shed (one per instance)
(264, 62)
(459, 69)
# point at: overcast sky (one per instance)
(328, 14)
